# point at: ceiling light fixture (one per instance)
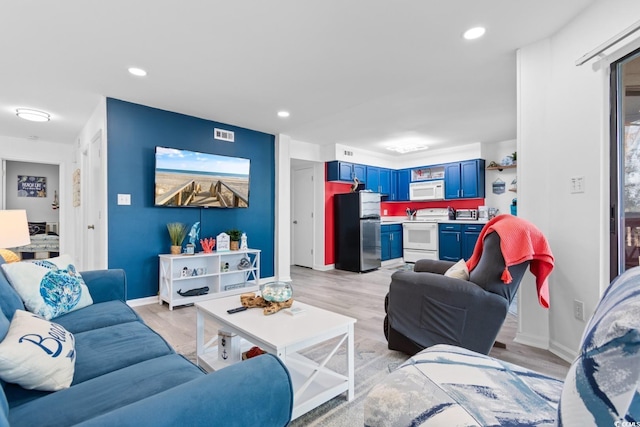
(33, 115)
(474, 33)
(137, 72)
(403, 149)
(283, 114)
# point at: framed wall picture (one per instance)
(32, 186)
(76, 188)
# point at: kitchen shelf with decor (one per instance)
(224, 273)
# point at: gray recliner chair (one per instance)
(425, 308)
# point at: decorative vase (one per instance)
(234, 245)
(176, 250)
(276, 291)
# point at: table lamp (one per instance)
(14, 232)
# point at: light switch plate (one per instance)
(124, 199)
(576, 184)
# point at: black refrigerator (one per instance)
(357, 231)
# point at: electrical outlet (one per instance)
(578, 309)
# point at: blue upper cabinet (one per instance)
(373, 179)
(385, 182)
(360, 172)
(345, 171)
(452, 181)
(403, 177)
(464, 180)
(379, 181)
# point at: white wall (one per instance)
(24, 150)
(562, 133)
(39, 209)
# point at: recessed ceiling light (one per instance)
(474, 33)
(283, 114)
(33, 115)
(137, 72)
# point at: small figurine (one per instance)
(243, 242)
(194, 233)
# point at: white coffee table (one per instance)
(284, 335)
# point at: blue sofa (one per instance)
(126, 374)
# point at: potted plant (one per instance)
(234, 238)
(514, 156)
(177, 233)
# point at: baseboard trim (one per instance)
(532, 340)
(142, 301)
(324, 267)
(562, 351)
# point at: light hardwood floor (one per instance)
(353, 294)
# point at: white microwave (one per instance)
(426, 190)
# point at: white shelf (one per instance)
(210, 266)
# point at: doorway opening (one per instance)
(34, 187)
(625, 164)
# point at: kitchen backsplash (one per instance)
(399, 208)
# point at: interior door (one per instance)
(302, 228)
(94, 229)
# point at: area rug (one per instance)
(373, 362)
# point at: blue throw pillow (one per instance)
(602, 383)
(50, 287)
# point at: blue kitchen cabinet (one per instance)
(345, 171)
(457, 241)
(396, 241)
(449, 242)
(385, 181)
(360, 172)
(464, 180)
(373, 179)
(379, 180)
(403, 177)
(452, 182)
(391, 241)
(385, 243)
(470, 234)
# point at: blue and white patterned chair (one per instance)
(448, 385)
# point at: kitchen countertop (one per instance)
(388, 220)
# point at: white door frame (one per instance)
(93, 204)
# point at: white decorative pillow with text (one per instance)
(37, 354)
(49, 287)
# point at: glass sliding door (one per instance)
(625, 164)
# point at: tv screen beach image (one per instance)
(193, 179)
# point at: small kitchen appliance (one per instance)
(469, 214)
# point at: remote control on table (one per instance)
(236, 310)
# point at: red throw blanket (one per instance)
(520, 241)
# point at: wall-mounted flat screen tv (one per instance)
(191, 179)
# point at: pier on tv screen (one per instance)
(186, 178)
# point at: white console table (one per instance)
(219, 271)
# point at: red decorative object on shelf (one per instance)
(208, 244)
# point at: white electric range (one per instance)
(420, 234)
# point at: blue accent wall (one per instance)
(138, 233)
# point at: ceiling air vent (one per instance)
(223, 135)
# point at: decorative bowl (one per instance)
(276, 291)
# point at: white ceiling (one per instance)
(354, 72)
